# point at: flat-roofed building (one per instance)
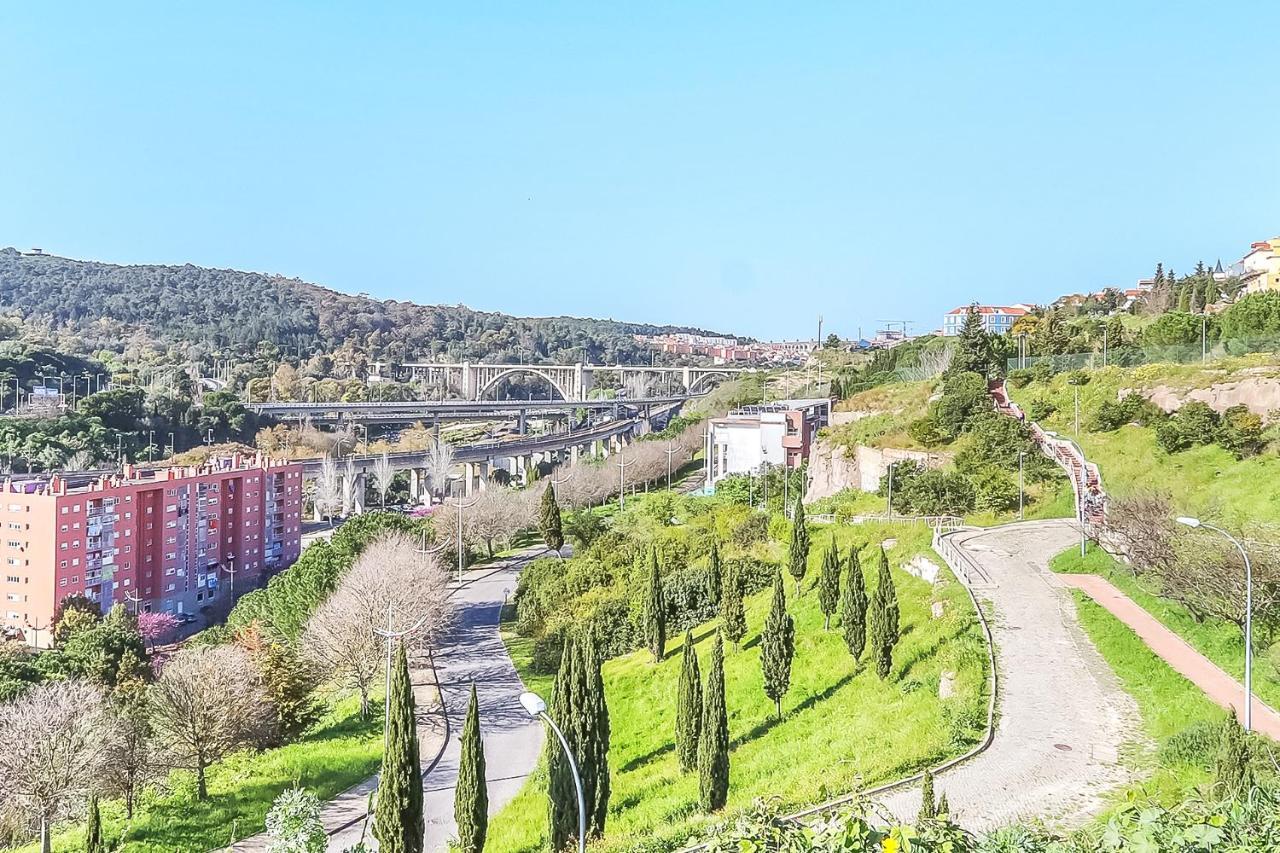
(175, 539)
(773, 434)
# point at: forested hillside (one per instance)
(230, 312)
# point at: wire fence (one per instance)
(1205, 352)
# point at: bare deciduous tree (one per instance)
(383, 476)
(391, 574)
(350, 486)
(132, 760)
(496, 516)
(929, 364)
(439, 464)
(207, 702)
(54, 742)
(328, 494)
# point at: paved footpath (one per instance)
(347, 810)
(472, 651)
(1062, 716)
(1195, 667)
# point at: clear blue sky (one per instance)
(734, 165)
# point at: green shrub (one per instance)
(1192, 425)
(964, 397)
(927, 431)
(1040, 408)
(1042, 372)
(1194, 746)
(994, 490)
(1078, 378)
(1241, 431)
(1020, 378)
(751, 530)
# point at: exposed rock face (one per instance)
(831, 470)
(1260, 394)
(842, 418)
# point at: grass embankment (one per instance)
(337, 753)
(1216, 639)
(887, 412)
(841, 728)
(1206, 480)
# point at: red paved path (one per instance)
(1195, 667)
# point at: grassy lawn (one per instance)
(1219, 641)
(1206, 481)
(842, 727)
(1176, 716)
(339, 752)
(894, 406)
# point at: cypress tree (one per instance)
(733, 615)
(93, 833)
(397, 816)
(655, 615)
(777, 646)
(562, 796)
(689, 707)
(471, 796)
(829, 584)
(891, 593)
(798, 555)
(593, 713)
(1232, 771)
(944, 808)
(715, 575)
(884, 619)
(853, 607)
(713, 743)
(549, 519)
(928, 805)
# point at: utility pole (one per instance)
(669, 451)
(1020, 490)
(891, 464)
(622, 467)
(1077, 397)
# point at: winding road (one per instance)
(472, 652)
(1062, 716)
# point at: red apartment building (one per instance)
(168, 539)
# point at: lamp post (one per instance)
(890, 510)
(461, 506)
(1021, 453)
(536, 707)
(1248, 613)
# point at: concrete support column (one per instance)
(573, 454)
(468, 477)
(522, 469)
(482, 469)
(415, 486)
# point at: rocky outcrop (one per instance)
(833, 469)
(1261, 395)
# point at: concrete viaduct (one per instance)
(517, 456)
(571, 381)
(406, 411)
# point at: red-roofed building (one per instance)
(996, 319)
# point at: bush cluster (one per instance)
(1196, 424)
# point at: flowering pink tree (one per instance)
(153, 626)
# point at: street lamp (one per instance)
(1021, 493)
(536, 707)
(1248, 613)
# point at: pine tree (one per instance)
(829, 584)
(93, 832)
(471, 796)
(798, 555)
(777, 646)
(713, 743)
(715, 575)
(1232, 766)
(562, 796)
(973, 352)
(549, 520)
(655, 613)
(397, 816)
(884, 619)
(733, 616)
(689, 707)
(853, 607)
(928, 805)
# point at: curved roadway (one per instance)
(1062, 716)
(474, 653)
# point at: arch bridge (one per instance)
(571, 381)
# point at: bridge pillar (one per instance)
(522, 423)
(415, 486)
(522, 470)
(468, 478)
(482, 472)
(686, 378)
(469, 384)
(357, 493)
(573, 455)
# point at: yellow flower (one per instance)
(890, 844)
